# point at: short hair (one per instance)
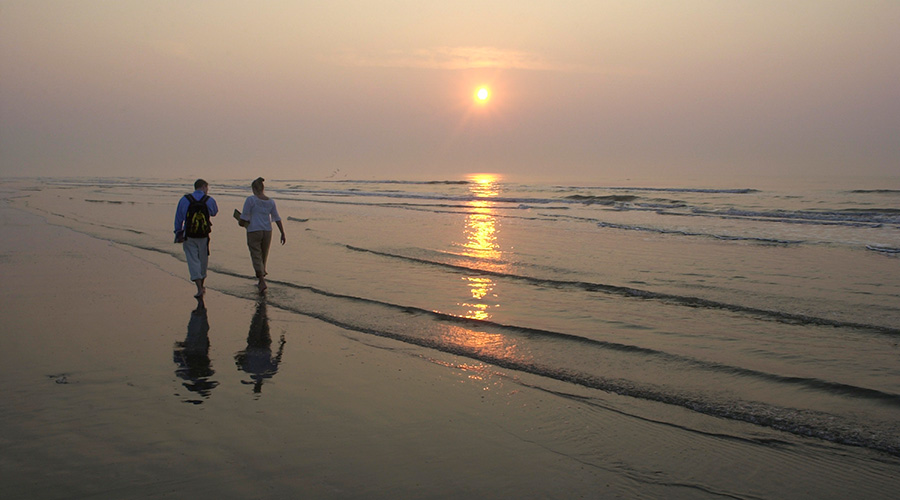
(200, 183)
(257, 185)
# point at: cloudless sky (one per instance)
(385, 89)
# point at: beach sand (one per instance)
(109, 392)
(93, 407)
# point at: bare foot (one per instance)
(200, 289)
(262, 286)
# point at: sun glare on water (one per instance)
(484, 184)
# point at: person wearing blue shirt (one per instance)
(196, 250)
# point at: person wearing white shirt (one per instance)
(258, 215)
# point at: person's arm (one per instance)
(277, 219)
(180, 214)
(281, 228)
(212, 206)
(245, 214)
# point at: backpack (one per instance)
(196, 223)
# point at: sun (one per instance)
(482, 95)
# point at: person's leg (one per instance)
(203, 255)
(264, 246)
(265, 243)
(254, 243)
(192, 251)
(203, 250)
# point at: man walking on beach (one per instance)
(192, 228)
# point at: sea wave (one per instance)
(665, 189)
(398, 181)
(419, 326)
(856, 218)
(883, 249)
(518, 200)
(601, 200)
(862, 217)
(683, 300)
(632, 227)
(726, 237)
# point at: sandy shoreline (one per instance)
(96, 407)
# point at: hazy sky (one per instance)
(384, 89)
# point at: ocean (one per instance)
(774, 305)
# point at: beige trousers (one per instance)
(258, 242)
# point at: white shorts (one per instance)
(196, 251)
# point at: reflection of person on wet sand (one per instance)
(192, 356)
(257, 359)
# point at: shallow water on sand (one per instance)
(773, 311)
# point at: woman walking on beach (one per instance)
(258, 215)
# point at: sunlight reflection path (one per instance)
(481, 243)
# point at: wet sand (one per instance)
(112, 391)
(93, 407)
